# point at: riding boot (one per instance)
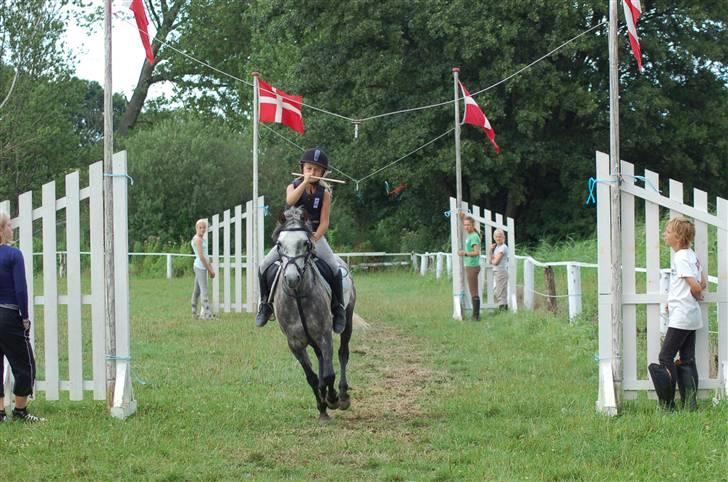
(476, 308)
(664, 385)
(265, 310)
(687, 383)
(337, 302)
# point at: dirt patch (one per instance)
(387, 374)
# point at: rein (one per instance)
(285, 261)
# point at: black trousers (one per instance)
(677, 340)
(15, 346)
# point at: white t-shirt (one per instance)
(503, 263)
(683, 308)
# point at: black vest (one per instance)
(312, 203)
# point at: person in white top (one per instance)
(202, 266)
(687, 282)
(499, 260)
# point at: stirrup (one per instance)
(339, 315)
(264, 314)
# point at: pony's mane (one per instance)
(292, 218)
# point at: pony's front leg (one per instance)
(312, 379)
(344, 400)
(327, 376)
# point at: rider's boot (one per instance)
(476, 308)
(337, 302)
(687, 383)
(664, 385)
(265, 310)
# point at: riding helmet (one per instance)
(315, 156)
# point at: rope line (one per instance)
(407, 155)
(357, 121)
(402, 111)
(357, 181)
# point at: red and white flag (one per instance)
(632, 12)
(474, 115)
(140, 15)
(274, 105)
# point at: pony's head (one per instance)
(293, 241)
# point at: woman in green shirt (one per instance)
(471, 260)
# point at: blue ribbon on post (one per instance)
(591, 185)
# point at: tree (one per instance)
(365, 58)
(201, 29)
(184, 168)
(45, 122)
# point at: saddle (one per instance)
(323, 269)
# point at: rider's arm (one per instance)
(324, 222)
(293, 194)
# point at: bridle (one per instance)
(286, 260)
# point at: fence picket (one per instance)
(652, 263)
(98, 313)
(226, 260)
(215, 228)
(702, 353)
(238, 259)
(50, 293)
(73, 280)
(629, 281)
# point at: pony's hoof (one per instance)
(324, 418)
(344, 403)
(333, 404)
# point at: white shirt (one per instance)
(683, 308)
(503, 263)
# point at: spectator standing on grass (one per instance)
(15, 326)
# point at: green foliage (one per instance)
(184, 169)
(364, 58)
(50, 122)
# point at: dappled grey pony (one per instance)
(302, 304)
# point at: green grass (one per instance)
(509, 398)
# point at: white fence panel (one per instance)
(52, 379)
(654, 298)
(231, 263)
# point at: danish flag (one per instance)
(474, 115)
(274, 105)
(137, 6)
(632, 12)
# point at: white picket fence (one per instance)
(489, 222)
(653, 296)
(75, 378)
(230, 261)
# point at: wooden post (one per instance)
(528, 283)
(550, 284)
(458, 195)
(615, 202)
(109, 214)
(574, 286)
(169, 266)
(253, 247)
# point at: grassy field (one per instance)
(509, 398)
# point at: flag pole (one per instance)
(460, 288)
(109, 297)
(615, 204)
(253, 250)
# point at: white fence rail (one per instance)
(489, 221)
(652, 202)
(66, 372)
